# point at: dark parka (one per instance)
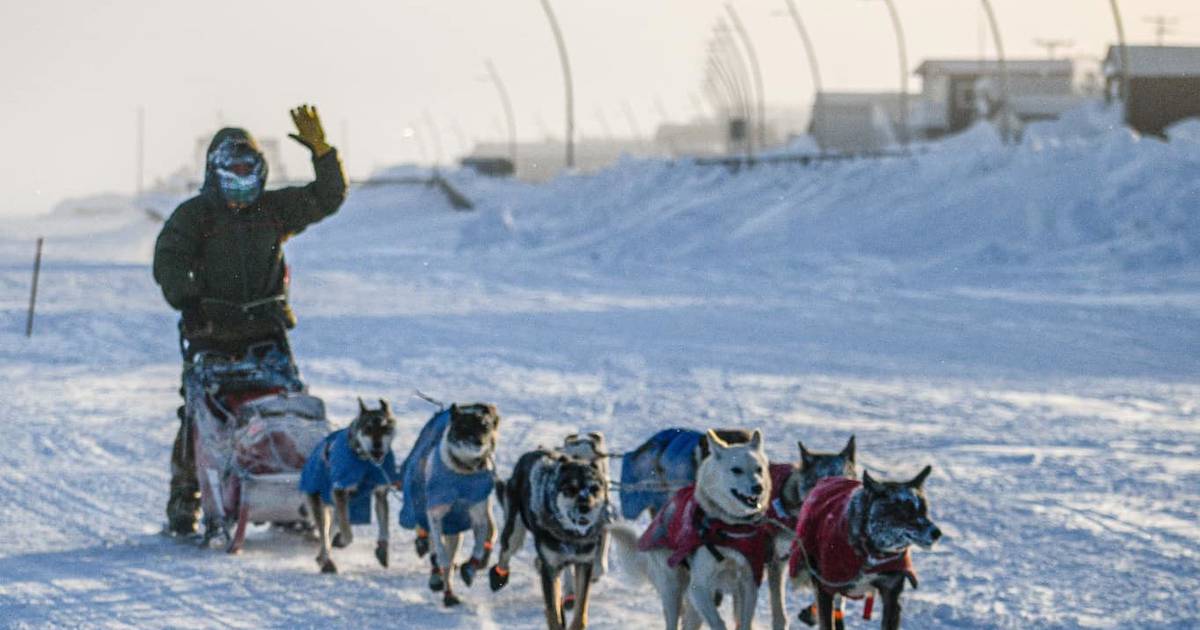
(227, 264)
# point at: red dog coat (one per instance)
(823, 547)
(689, 528)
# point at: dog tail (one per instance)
(626, 549)
(501, 493)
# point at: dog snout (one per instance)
(756, 488)
(935, 533)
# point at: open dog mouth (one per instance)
(749, 501)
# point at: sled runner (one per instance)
(253, 425)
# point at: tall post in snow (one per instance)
(1005, 131)
(570, 89)
(37, 268)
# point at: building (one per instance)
(856, 122)
(956, 92)
(1164, 85)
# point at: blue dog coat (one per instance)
(332, 465)
(651, 474)
(429, 482)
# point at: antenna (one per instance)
(1163, 26)
(1052, 45)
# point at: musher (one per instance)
(219, 261)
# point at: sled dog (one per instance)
(853, 539)
(712, 537)
(448, 479)
(344, 470)
(563, 501)
(590, 448)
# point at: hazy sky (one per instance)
(75, 73)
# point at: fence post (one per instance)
(37, 267)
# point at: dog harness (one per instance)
(334, 465)
(428, 482)
(823, 547)
(683, 527)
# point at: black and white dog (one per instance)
(590, 448)
(448, 480)
(345, 470)
(853, 539)
(563, 501)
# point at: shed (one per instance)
(1164, 85)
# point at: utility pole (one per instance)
(1163, 26)
(570, 89)
(1052, 45)
(760, 99)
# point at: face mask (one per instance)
(239, 170)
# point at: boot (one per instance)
(183, 503)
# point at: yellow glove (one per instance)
(311, 135)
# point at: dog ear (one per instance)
(362, 407)
(597, 437)
(756, 440)
(919, 480)
(848, 452)
(805, 456)
(872, 486)
(715, 443)
(383, 406)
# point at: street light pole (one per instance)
(758, 82)
(508, 112)
(1124, 51)
(566, 70)
(1004, 96)
(809, 50)
(902, 46)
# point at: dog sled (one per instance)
(253, 425)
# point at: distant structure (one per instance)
(857, 122)
(957, 92)
(1164, 85)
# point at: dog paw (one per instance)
(450, 599)
(340, 541)
(467, 571)
(381, 552)
(497, 578)
(436, 581)
(327, 565)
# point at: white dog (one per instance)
(711, 538)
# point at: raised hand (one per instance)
(311, 134)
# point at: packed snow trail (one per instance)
(1054, 393)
